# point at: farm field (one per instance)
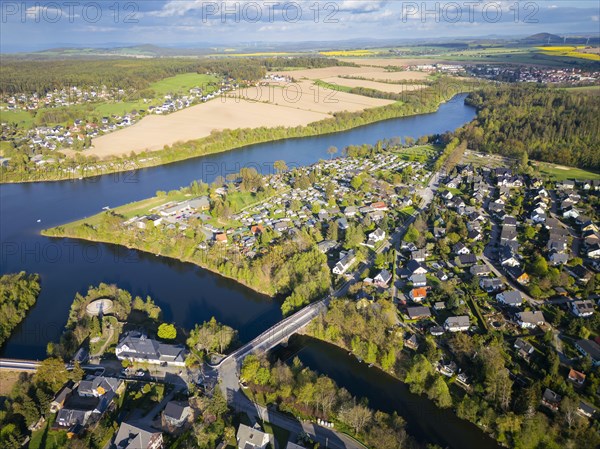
(371, 73)
(304, 95)
(263, 106)
(154, 132)
(383, 87)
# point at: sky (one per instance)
(37, 25)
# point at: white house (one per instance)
(582, 308)
(457, 323)
(529, 320)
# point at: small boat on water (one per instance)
(106, 208)
(39, 220)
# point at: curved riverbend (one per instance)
(424, 420)
(186, 293)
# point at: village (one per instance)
(496, 251)
(78, 134)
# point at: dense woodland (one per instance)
(26, 76)
(549, 124)
(18, 293)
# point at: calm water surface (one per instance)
(186, 293)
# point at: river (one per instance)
(424, 420)
(186, 293)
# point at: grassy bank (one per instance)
(417, 102)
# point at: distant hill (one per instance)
(542, 38)
(547, 38)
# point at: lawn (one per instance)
(181, 84)
(281, 435)
(48, 439)
(21, 117)
(560, 173)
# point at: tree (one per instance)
(438, 392)
(356, 416)
(331, 151)
(51, 374)
(356, 182)
(568, 407)
(412, 234)
(167, 331)
(280, 166)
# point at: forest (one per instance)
(26, 77)
(18, 293)
(548, 124)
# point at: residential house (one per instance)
(589, 348)
(411, 341)
(580, 274)
(383, 278)
(460, 248)
(177, 413)
(418, 280)
(419, 255)
(586, 410)
(523, 348)
(575, 377)
(139, 348)
(593, 251)
(582, 308)
(457, 323)
(556, 258)
(508, 257)
(480, 270)
(418, 312)
(137, 436)
(345, 262)
(518, 274)
(510, 298)
(466, 260)
(252, 437)
(412, 267)
(530, 319)
(375, 237)
(59, 400)
(491, 285)
(418, 294)
(551, 399)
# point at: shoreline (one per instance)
(227, 140)
(45, 233)
(306, 333)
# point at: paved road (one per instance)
(19, 365)
(327, 438)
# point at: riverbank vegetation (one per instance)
(298, 390)
(551, 125)
(18, 293)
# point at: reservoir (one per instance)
(186, 293)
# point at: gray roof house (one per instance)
(176, 413)
(590, 349)
(457, 323)
(137, 436)
(510, 297)
(252, 438)
(140, 348)
(529, 320)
